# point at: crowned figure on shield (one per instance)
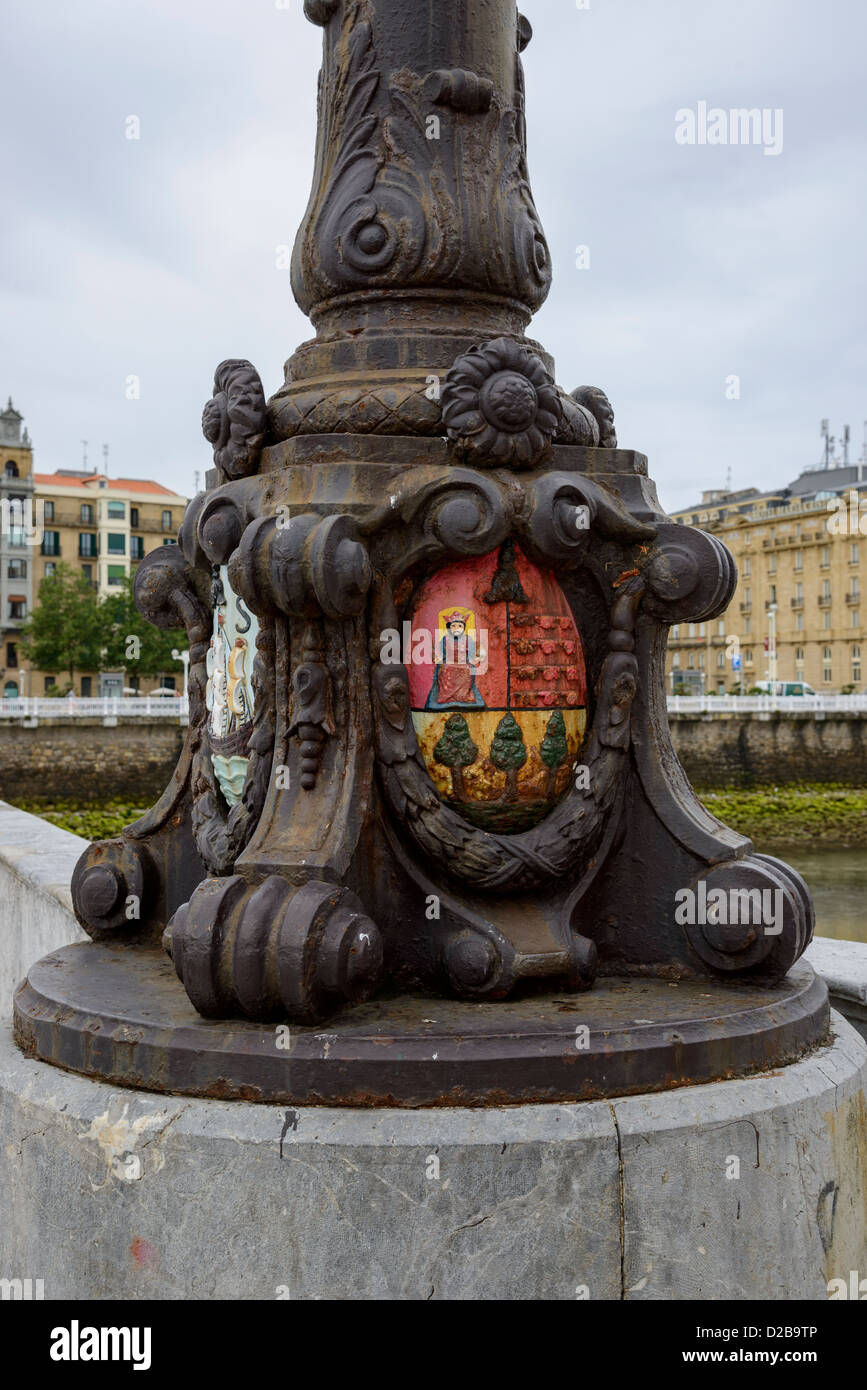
(454, 682)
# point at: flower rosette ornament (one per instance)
(500, 405)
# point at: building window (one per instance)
(675, 660)
(827, 620)
(87, 545)
(50, 684)
(116, 511)
(86, 513)
(701, 661)
(11, 653)
(136, 547)
(748, 656)
(826, 665)
(799, 591)
(855, 589)
(11, 469)
(133, 517)
(748, 596)
(826, 557)
(773, 598)
(87, 573)
(748, 566)
(116, 543)
(86, 687)
(167, 521)
(50, 543)
(748, 626)
(854, 553)
(675, 631)
(690, 661)
(826, 588)
(772, 564)
(50, 568)
(799, 559)
(799, 622)
(721, 661)
(856, 617)
(17, 608)
(16, 569)
(116, 574)
(721, 628)
(856, 663)
(48, 513)
(133, 682)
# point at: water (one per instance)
(837, 878)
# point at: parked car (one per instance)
(785, 688)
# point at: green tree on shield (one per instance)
(456, 751)
(554, 750)
(508, 753)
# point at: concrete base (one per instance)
(749, 1189)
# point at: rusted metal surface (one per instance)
(412, 1051)
(345, 823)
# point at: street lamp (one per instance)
(185, 658)
(772, 647)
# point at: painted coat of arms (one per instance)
(498, 688)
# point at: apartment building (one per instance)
(98, 525)
(16, 555)
(799, 552)
(101, 526)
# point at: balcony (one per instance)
(853, 600)
(157, 526)
(746, 607)
(825, 600)
(797, 602)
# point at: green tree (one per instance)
(554, 750)
(508, 753)
(64, 630)
(133, 644)
(456, 751)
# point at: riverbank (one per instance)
(776, 817)
(773, 817)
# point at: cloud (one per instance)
(158, 256)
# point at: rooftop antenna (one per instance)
(845, 446)
(825, 426)
(729, 478)
(105, 459)
(84, 454)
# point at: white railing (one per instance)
(753, 704)
(32, 707)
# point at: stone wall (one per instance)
(81, 760)
(747, 750)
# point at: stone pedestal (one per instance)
(744, 1189)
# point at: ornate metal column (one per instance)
(427, 598)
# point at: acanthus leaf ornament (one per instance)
(233, 420)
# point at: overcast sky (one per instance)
(157, 257)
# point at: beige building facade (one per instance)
(101, 527)
(802, 561)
